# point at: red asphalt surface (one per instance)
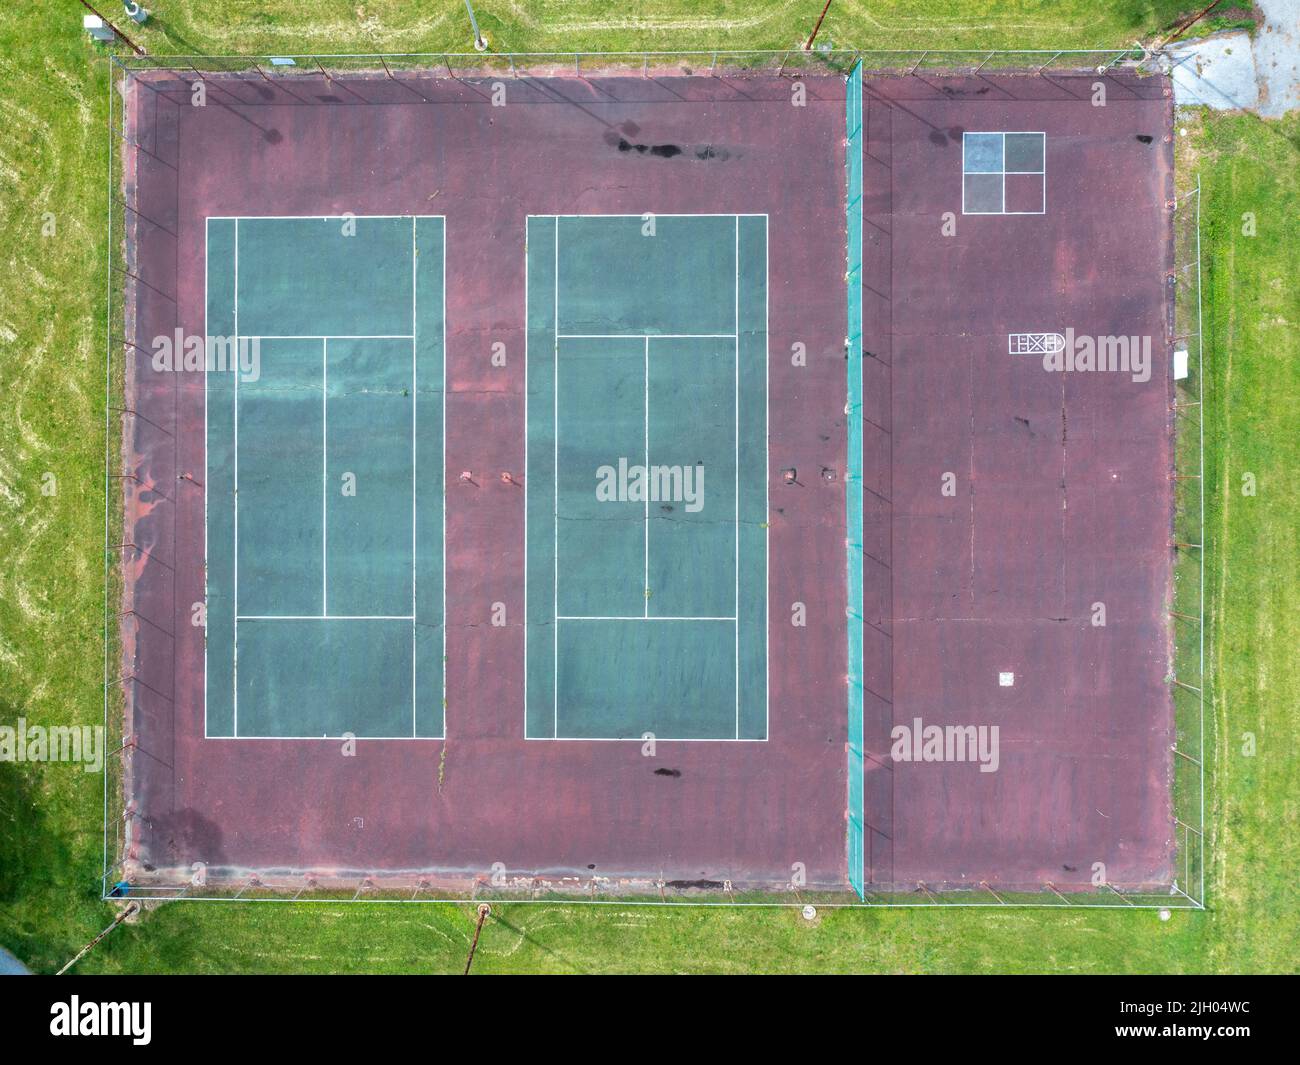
(1063, 494)
(741, 811)
(1063, 491)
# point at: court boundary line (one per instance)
(767, 426)
(234, 583)
(325, 338)
(645, 459)
(324, 478)
(415, 409)
(735, 426)
(324, 617)
(633, 617)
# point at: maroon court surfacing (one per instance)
(1084, 774)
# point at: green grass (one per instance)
(53, 159)
(1252, 409)
(567, 25)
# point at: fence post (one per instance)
(1048, 63)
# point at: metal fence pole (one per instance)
(1048, 63)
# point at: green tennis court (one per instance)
(324, 477)
(647, 477)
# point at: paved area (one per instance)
(1233, 71)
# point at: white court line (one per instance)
(555, 473)
(657, 214)
(415, 407)
(646, 337)
(634, 617)
(324, 476)
(638, 336)
(308, 217)
(442, 477)
(767, 481)
(645, 581)
(736, 469)
(334, 738)
(639, 739)
(207, 244)
(325, 617)
(528, 472)
(234, 665)
(334, 336)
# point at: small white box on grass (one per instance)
(94, 25)
(1180, 363)
(1006, 680)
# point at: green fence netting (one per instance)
(853, 478)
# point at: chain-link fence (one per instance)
(1187, 677)
(122, 617)
(115, 738)
(792, 61)
(853, 477)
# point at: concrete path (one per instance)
(1230, 71)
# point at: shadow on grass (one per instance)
(37, 867)
(533, 942)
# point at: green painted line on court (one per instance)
(853, 480)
